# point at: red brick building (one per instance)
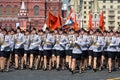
(35, 12)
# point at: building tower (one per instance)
(111, 10)
(96, 14)
(85, 8)
(23, 16)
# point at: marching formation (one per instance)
(60, 50)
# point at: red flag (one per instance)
(76, 25)
(101, 22)
(51, 21)
(57, 25)
(90, 21)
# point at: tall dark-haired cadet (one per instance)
(19, 48)
(112, 47)
(48, 45)
(76, 53)
(5, 49)
(34, 41)
(26, 47)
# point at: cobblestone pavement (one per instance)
(57, 75)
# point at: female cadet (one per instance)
(34, 41)
(116, 44)
(53, 43)
(60, 49)
(76, 53)
(19, 48)
(118, 49)
(84, 46)
(112, 45)
(56, 36)
(104, 52)
(39, 60)
(98, 48)
(1, 42)
(12, 46)
(56, 48)
(48, 45)
(69, 48)
(90, 50)
(0, 45)
(5, 49)
(26, 48)
(9, 50)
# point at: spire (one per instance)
(23, 6)
(95, 7)
(23, 11)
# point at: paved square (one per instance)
(57, 75)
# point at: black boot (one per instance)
(94, 70)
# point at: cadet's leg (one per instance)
(85, 59)
(8, 61)
(37, 62)
(90, 59)
(85, 62)
(2, 63)
(41, 62)
(102, 62)
(109, 64)
(50, 58)
(118, 59)
(67, 59)
(58, 59)
(40, 59)
(53, 59)
(25, 60)
(80, 67)
(22, 62)
(16, 61)
(111, 57)
(50, 62)
(58, 62)
(3, 60)
(63, 63)
(31, 61)
(45, 62)
(70, 57)
(73, 65)
(94, 63)
(113, 64)
(22, 58)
